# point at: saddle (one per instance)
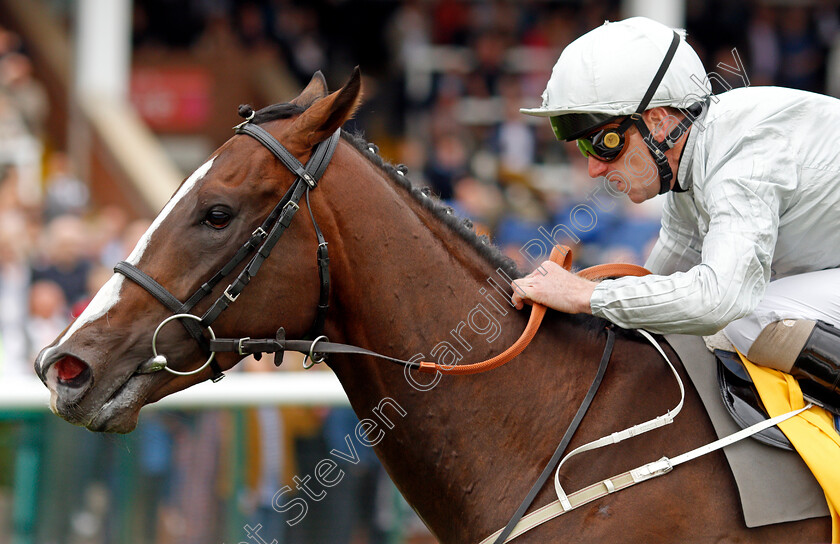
(742, 401)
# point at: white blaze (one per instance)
(109, 294)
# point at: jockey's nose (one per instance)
(596, 168)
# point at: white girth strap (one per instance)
(566, 503)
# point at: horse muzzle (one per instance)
(65, 370)
(73, 397)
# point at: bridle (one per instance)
(262, 240)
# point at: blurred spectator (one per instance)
(412, 154)
(9, 41)
(64, 257)
(14, 289)
(108, 228)
(266, 466)
(447, 162)
(65, 193)
(450, 21)
(763, 46)
(801, 58)
(10, 190)
(12, 124)
(347, 512)
(154, 24)
(512, 234)
(408, 32)
(251, 20)
(295, 28)
(48, 315)
(25, 93)
(489, 48)
(513, 140)
(481, 202)
(156, 466)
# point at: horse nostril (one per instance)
(72, 371)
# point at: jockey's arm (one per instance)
(743, 218)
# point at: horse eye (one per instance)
(217, 219)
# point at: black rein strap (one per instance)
(564, 443)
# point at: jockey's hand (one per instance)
(553, 286)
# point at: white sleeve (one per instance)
(743, 218)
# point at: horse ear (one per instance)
(317, 88)
(321, 119)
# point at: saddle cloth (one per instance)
(812, 433)
(774, 485)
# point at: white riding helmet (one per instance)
(606, 73)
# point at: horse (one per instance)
(407, 279)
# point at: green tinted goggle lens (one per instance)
(586, 147)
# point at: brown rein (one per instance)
(320, 347)
(561, 255)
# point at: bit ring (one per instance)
(177, 372)
(311, 355)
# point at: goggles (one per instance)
(606, 144)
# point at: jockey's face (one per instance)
(633, 171)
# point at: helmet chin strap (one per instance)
(658, 149)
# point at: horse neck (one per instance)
(406, 284)
(403, 278)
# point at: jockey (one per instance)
(751, 222)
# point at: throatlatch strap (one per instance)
(323, 275)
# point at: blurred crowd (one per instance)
(444, 83)
(446, 79)
(44, 264)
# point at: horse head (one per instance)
(95, 368)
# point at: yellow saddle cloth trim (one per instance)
(811, 433)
